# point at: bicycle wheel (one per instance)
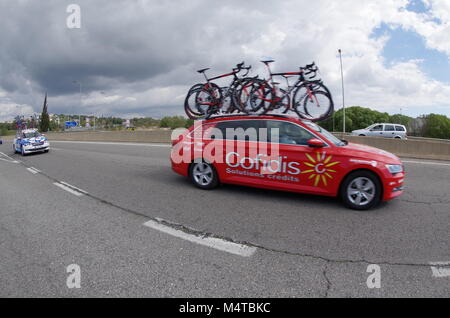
(282, 103)
(237, 86)
(227, 106)
(203, 101)
(312, 101)
(255, 97)
(317, 106)
(190, 102)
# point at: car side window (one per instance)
(240, 129)
(399, 128)
(377, 128)
(389, 128)
(287, 133)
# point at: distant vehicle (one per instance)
(383, 130)
(29, 141)
(131, 128)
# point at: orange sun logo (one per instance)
(320, 168)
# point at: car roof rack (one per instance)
(251, 115)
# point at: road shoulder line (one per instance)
(213, 242)
(70, 189)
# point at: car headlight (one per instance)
(395, 168)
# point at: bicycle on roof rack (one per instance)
(309, 98)
(206, 99)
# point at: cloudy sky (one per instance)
(138, 57)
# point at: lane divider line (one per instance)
(10, 158)
(440, 269)
(73, 187)
(70, 189)
(213, 242)
(33, 170)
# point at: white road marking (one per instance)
(114, 143)
(73, 187)
(440, 269)
(216, 243)
(69, 189)
(10, 158)
(427, 163)
(33, 170)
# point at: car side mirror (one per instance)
(315, 143)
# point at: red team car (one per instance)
(285, 153)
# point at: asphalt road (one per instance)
(303, 245)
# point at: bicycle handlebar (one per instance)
(310, 69)
(240, 67)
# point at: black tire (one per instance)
(369, 182)
(237, 86)
(305, 105)
(209, 93)
(203, 175)
(227, 101)
(189, 105)
(22, 151)
(318, 106)
(362, 135)
(251, 96)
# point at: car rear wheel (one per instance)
(361, 190)
(203, 175)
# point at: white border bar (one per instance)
(216, 243)
(68, 189)
(439, 271)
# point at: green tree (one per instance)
(437, 126)
(45, 119)
(175, 122)
(357, 117)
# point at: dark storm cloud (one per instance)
(121, 41)
(140, 56)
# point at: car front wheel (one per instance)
(361, 190)
(203, 175)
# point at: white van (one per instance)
(383, 130)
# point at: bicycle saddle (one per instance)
(203, 70)
(268, 61)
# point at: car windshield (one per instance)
(336, 141)
(33, 134)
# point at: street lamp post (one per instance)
(79, 116)
(343, 96)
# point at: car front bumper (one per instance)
(36, 148)
(393, 186)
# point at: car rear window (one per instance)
(240, 129)
(399, 128)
